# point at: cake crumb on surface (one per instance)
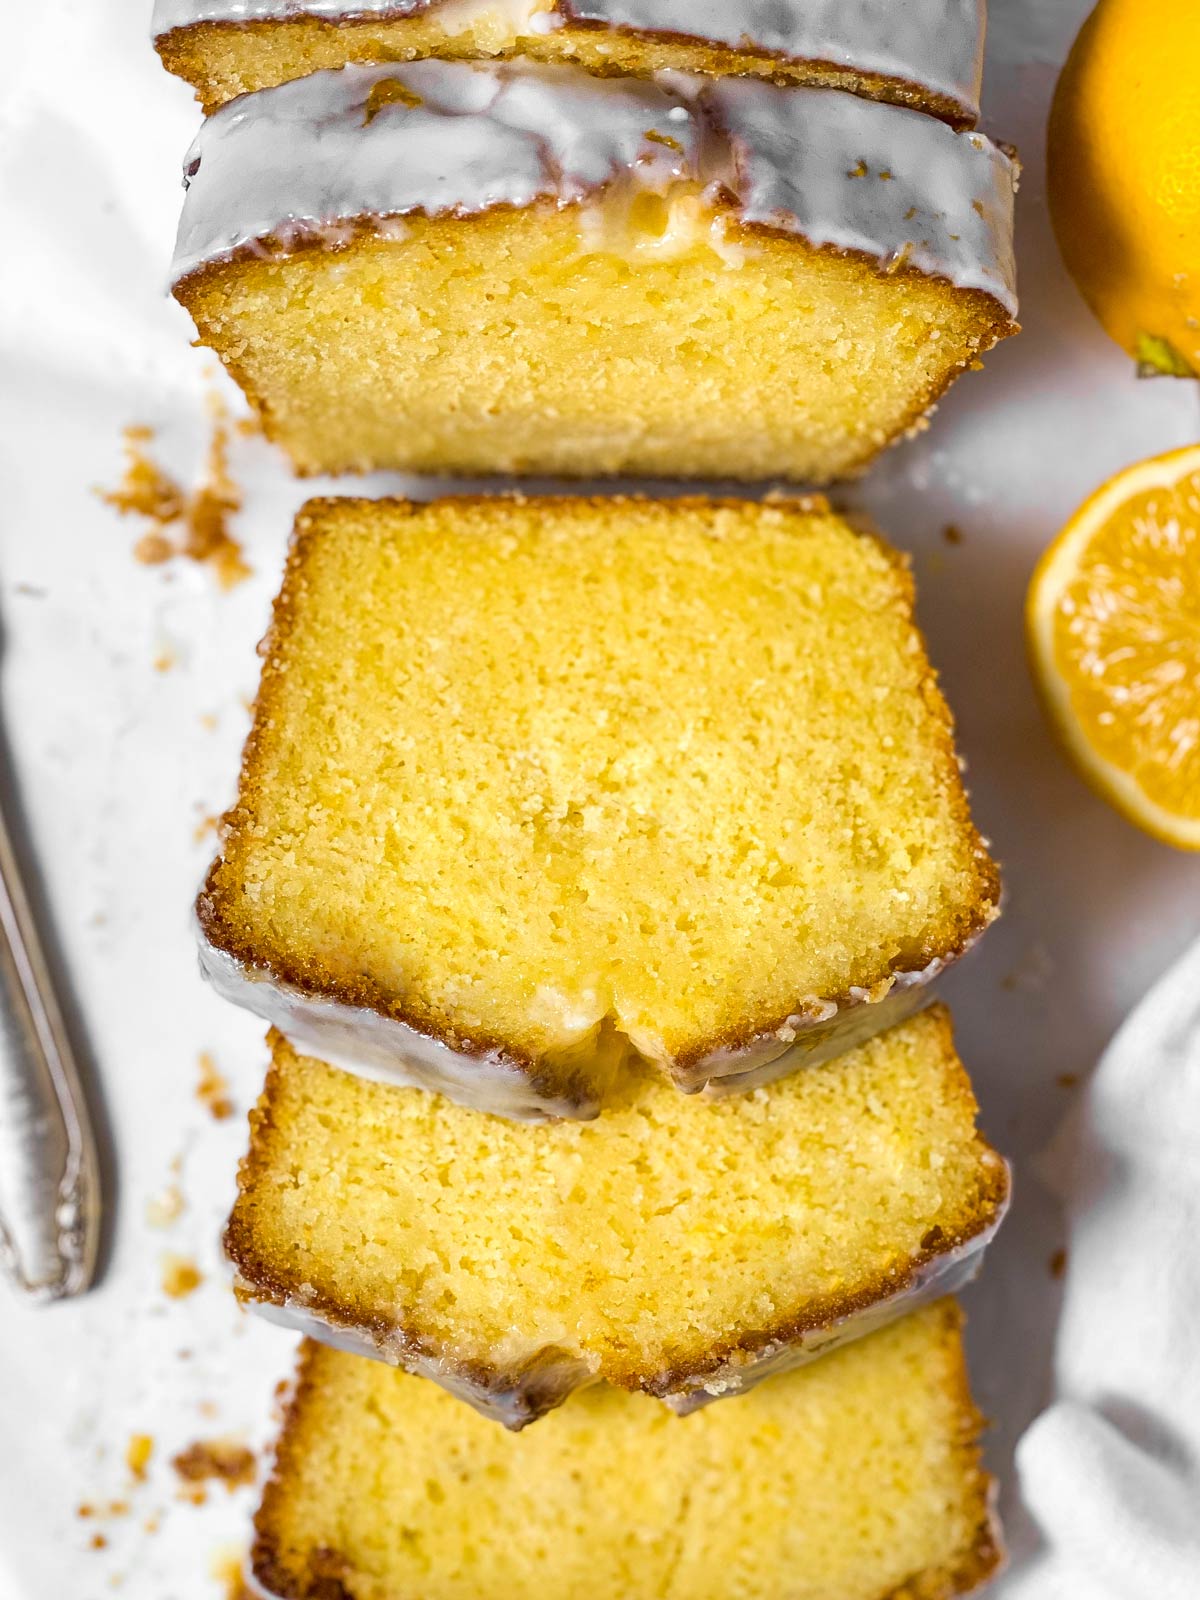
(166, 1207)
(223, 1460)
(137, 1454)
(180, 1276)
(227, 1568)
(216, 500)
(1058, 1264)
(952, 533)
(212, 1090)
(209, 823)
(152, 549)
(146, 490)
(106, 1508)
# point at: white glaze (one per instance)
(371, 1045)
(880, 180)
(934, 44)
(366, 1043)
(302, 157)
(937, 44)
(297, 161)
(821, 1031)
(551, 1376)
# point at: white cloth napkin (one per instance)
(1111, 1472)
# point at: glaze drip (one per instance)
(315, 155)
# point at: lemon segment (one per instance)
(1113, 619)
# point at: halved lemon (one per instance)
(1113, 618)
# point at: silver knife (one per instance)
(50, 1196)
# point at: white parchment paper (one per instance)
(118, 763)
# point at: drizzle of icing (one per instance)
(826, 165)
(323, 150)
(373, 1046)
(934, 44)
(313, 156)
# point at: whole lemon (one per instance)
(1124, 176)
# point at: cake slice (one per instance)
(533, 784)
(924, 53)
(681, 1248)
(858, 1478)
(449, 267)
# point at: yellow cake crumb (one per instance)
(137, 1454)
(649, 1247)
(213, 1091)
(216, 1460)
(536, 341)
(146, 490)
(571, 777)
(180, 1276)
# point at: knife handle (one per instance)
(50, 1195)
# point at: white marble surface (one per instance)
(116, 767)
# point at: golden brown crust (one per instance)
(724, 61)
(215, 904)
(328, 1573)
(320, 43)
(280, 1282)
(266, 1560)
(986, 1555)
(305, 972)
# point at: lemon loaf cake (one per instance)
(858, 1478)
(679, 1247)
(923, 53)
(534, 783)
(523, 268)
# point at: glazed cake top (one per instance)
(440, 137)
(936, 44)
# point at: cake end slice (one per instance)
(858, 1478)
